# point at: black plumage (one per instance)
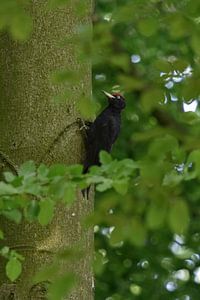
(104, 131)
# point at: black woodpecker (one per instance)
(103, 132)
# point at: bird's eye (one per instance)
(118, 97)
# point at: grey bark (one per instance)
(34, 127)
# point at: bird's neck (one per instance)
(114, 109)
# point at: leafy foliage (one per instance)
(149, 235)
(146, 216)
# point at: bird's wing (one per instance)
(100, 137)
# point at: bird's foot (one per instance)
(83, 125)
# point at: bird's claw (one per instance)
(83, 125)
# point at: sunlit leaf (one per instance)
(27, 168)
(9, 177)
(13, 215)
(105, 157)
(46, 212)
(69, 193)
(13, 269)
(172, 179)
(7, 189)
(75, 170)
(32, 210)
(121, 186)
(105, 185)
(42, 172)
(57, 170)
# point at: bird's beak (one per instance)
(108, 95)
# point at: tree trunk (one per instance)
(34, 127)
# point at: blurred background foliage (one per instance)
(146, 220)
(147, 240)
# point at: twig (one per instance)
(9, 163)
(55, 141)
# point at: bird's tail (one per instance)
(86, 193)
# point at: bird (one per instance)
(103, 132)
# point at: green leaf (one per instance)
(57, 189)
(191, 118)
(61, 287)
(57, 170)
(95, 178)
(9, 177)
(13, 268)
(14, 254)
(151, 173)
(178, 217)
(46, 212)
(172, 179)
(7, 189)
(42, 172)
(75, 170)
(105, 185)
(69, 193)
(4, 251)
(121, 186)
(32, 210)
(13, 215)
(32, 187)
(27, 169)
(105, 157)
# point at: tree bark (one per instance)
(34, 127)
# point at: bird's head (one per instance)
(116, 100)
